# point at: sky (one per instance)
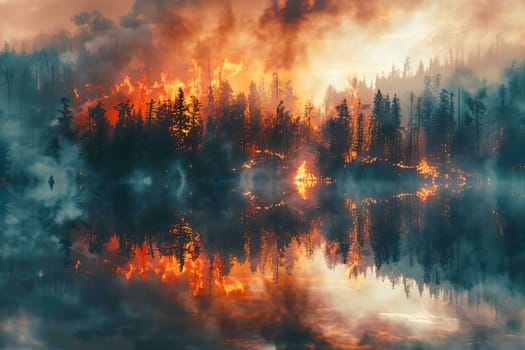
(312, 42)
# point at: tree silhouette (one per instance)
(65, 120)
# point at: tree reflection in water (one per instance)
(223, 268)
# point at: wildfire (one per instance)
(179, 259)
(141, 90)
(148, 263)
(229, 285)
(304, 180)
(351, 267)
(452, 178)
(167, 87)
(167, 268)
(218, 275)
(197, 270)
(226, 71)
(226, 285)
(427, 191)
(427, 170)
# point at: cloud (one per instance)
(93, 21)
(24, 19)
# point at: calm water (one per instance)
(244, 267)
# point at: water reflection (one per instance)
(222, 267)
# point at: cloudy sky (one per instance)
(314, 42)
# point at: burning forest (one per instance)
(262, 175)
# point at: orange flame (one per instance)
(227, 71)
(427, 191)
(230, 285)
(77, 265)
(304, 180)
(76, 93)
(147, 263)
(227, 285)
(140, 91)
(427, 170)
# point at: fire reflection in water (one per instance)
(304, 179)
(359, 276)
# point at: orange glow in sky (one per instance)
(314, 49)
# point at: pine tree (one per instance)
(194, 137)
(308, 114)
(254, 115)
(395, 135)
(338, 134)
(442, 127)
(65, 120)
(181, 120)
(361, 147)
(377, 146)
(97, 140)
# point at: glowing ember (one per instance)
(267, 151)
(427, 170)
(76, 93)
(249, 164)
(427, 191)
(304, 180)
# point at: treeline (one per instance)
(473, 128)
(234, 129)
(443, 123)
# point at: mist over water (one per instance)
(192, 268)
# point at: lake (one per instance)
(244, 266)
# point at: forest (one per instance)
(445, 123)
